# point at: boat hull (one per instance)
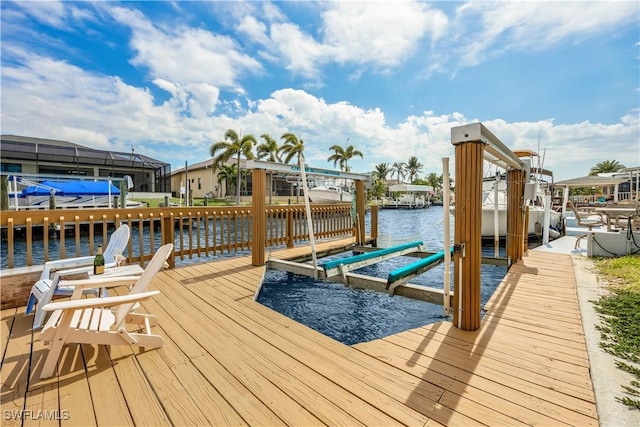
(70, 202)
(536, 221)
(328, 195)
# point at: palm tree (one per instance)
(435, 181)
(293, 146)
(382, 169)
(381, 172)
(343, 155)
(398, 168)
(229, 174)
(378, 187)
(606, 167)
(269, 149)
(233, 145)
(413, 168)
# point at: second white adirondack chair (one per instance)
(41, 292)
(103, 320)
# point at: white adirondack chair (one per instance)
(103, 320)
(41, 292)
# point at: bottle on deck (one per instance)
(98, 262)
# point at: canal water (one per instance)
(54, 246)
(353, 315)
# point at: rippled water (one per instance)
(352, 315)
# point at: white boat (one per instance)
(538, 188)
(323, 193)
(30, 193)
(536, 209)
(409, 197)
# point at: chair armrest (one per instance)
(63, 264)
(105, 282)
(99, 302)
(85, 269)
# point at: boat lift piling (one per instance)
(474, 143)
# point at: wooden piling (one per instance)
(468, 220)
(374, 226)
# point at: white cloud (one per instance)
(205, 98)
(381, 33)
(253, 28)
(484, 29)
(52, 13)
(376, 34)
(186, 55)
(300, 52)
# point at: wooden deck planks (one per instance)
(229, 341)
(522, 354)
(352, 374)
(459, 393)
(230, 361)
(110, 406)
(15, 367)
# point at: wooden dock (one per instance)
(228, 360)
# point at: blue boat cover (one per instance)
(72, 188)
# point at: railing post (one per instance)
(168, 231)
(259, 217)
(10, 242)
(30, 241)
(290, 228)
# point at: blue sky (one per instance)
(392, 78)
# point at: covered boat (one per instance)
(66, 193)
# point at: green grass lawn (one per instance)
(154, 203)
(620, 314)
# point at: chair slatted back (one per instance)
(118, 241)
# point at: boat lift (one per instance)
(338, 270)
